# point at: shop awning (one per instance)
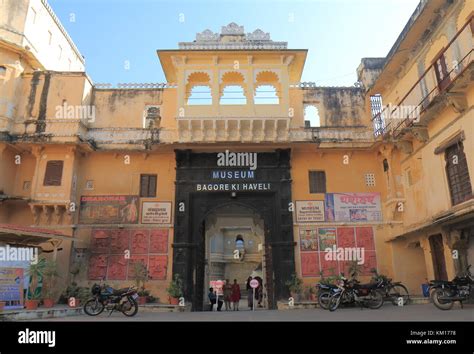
(28, 236)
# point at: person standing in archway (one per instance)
(249, 293)
(235, 298)
(227, 294)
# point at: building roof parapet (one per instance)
(135, 85)
(256, 40)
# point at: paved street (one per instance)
(425, 312)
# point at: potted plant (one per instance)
(295, 285)
(50, 275)
(141, 276)
(175, 290)
(312, 293)
(33, 292)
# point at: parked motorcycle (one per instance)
(445, 293)
(392, 291)
(351, 291)
(105, 297)
(325, 291)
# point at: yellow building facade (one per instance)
(221, 174)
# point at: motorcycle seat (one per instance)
(365, 286)
(120, 291)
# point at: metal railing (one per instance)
(436, 79)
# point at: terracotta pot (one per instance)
(31, 304)
(2, 305)
(142, 300)
(312, 297)
(48, 303)
(174, 300)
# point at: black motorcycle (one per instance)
(325, 291)
(445, 293)
(351, 291)
(105, 297)
(395, 292)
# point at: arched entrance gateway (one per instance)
(217, 198)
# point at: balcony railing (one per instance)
(451, 63)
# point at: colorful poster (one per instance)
(140, 241)
(109, 209)
(158, 267)
(327, 237)
(345, 237)
(309, 211)
(97, 267)
(156, 213)
(310, 264)
(308, 240)
(159, 241)
(119, 241)
(329, 266)
(117, 267)
(353, 207)
(365, 238)
(11, 287)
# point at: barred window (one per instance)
(148, 185)
(54, 173)
(457, 173)
(317, 182)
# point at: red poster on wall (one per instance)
(100, 241)
(157, 267)
(309, 264)
(370, 262)
(134, 260)
(97, 266)
(119, 241)
(329, 266)
(117, 268)
(345, 237)
(159, 241)
(140, 241)
(365, 238)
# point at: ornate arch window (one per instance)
(198, 89)
(267, 88)
(232, 89)
(311, 116)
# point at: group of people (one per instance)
(231, 295)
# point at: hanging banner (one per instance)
(309, 211)
(354, 207)
(109, 209)
(11, 287)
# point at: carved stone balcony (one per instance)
(216, 129)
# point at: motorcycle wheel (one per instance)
(93, 307)
(441, 304)
(334, 302)
(323, 299)
(375, 300)
(398, 291)
(129, 307)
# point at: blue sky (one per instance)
(338, 33)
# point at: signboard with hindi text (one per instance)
(156, 213)
(353, 207)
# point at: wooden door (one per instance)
(437, 254)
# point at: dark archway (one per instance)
(193, 206)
